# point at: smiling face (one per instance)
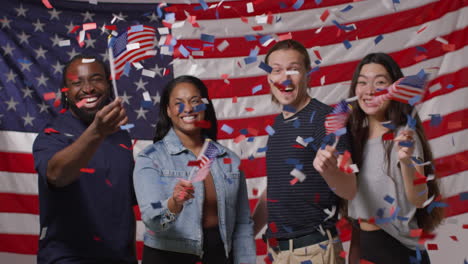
(373, 76)
(288, 65)
(183, 117)
(87, 83)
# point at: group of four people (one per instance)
(86, 191)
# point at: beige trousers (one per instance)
(327, 253)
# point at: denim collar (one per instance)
(175, 146)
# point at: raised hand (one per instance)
(405, 146)
(183, 191)
(109, 119)
(326, 160)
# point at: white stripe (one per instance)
(334, 53)
(444, 104)
(15, 223)
(19, 183)
(258, 183)
(262, 105)
(6, 257)
(291, 21)
(454, 184)
(16, 142)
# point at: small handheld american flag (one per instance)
(407, 90)
(337, 119)
(207, 154)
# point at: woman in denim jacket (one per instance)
(187, 220)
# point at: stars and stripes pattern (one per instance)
(337, 119)
(211, 40)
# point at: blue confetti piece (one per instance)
(389, 199)
(253, 53)
(159, 11)
(309, 139)
(169, 16)
(244, 131)
(347, 44)
(229, 180)
(270, 257)
(347, 8)
(287, 228)
(317, 62)
(411, 123)
(127, 126)
(264, 149)
(297, 123)
(181, 107)
(270, 130)
(127, 68)
(415, 99)
(434, 205)
(463, 196)
(251, 157)
(416, 160)
(289, 108)
(418, 254)
(286, 82)
(422, 75)
(299, 166)
(340, 132)
(265, 67)
(197, 8)
(312, 117)
(388, 125)
(203, 4)
(436, 119)
(407, 144)
(217, 13)
(250, 38)
(250, 139)
(378, 39)
(24, 61)
(380, 212)
(422, 192)
(306, 262)
(249, 60)
(318, 2)
(207, 38)
(292, 161)
(256, 89)
(402, 218)
(227, 129)
(450, 86)
(324, 247)
(396, 1)
(314, 69)
(465, 262)
(199, 108)
(381, 221)
(135, 28)
(264, 39)
(421, 49)
(184, 51)
(208, 45)
(298, 4)
(156, 205)
(192, 48)
(146, 104)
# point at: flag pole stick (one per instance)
(112, 68)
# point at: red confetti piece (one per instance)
(64, 89)
(48, 96)
(244, 19)
(421, 30)
(227, 161)
(194, 163)
(317, 53)
(270, 18)
(50, 130)
(110, 27)
(317, 198)
(416, 232)
(168, 40)
(108, 182)
(57, 103)
(272, 201)
(75, 28)
(325, 15)
(272, 242)
(465, 226)
(63, 110)
(125, 147)
(87, 170)
(252, 131)
(249, 109)
(432, 247)
(47, 4)
(234, 99)
(257, 28)
(239, 138)
(343, 254)
(224, 76)
(273, 227)
(388, 136)
(344, 160)
(89, 26)
(254, 191)
(298, 146)
(81, 103)
(167, 24)
(203, 124)
(448, 47)
(454, 238)
(363, 261)
(166, 71)
(96, 238)
(420, 57)
(267, 260)
(454, 125)
(293, 181)
(285, 36)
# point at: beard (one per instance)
(87, 116)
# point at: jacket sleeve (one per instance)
(150, 194)
(244, 251)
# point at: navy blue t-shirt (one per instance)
(298, 209)
(91, 220)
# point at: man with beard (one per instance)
(85, 173)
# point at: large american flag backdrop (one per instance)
(223, 43)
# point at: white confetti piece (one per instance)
(148, 73)
(298, 174)
(64, 43)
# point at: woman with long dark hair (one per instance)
(190, 218)
(388, 205)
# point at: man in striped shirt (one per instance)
(304, 182)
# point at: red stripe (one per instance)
(253, 168)
(372, 27)
(243, 86)
(457, 79)
(17, 162)
(19, 203)
(452, 164)
(238, 8)
(451, 123)
(456, 206)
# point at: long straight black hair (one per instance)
(397, 113)
(164, 122)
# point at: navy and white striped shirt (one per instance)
(298, 209)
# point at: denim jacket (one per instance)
(159, 167)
